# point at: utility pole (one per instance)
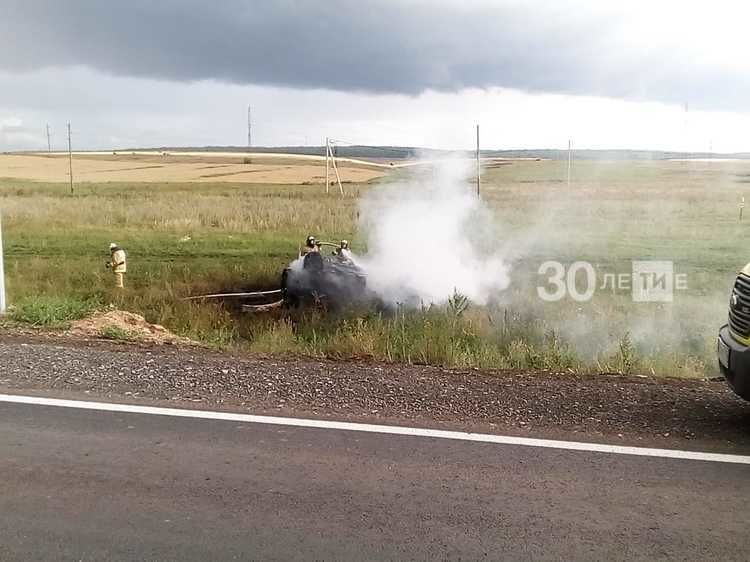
(479, 175)
(335, 168)
(70, 160)
(328, 144)
(570, 158)
(249, 128)
(49, 140)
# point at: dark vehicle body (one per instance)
(733, 344)
(334, 282)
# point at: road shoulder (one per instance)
(669, 413)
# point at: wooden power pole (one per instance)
(479, 174)
(249, 128)
(327, 169)
(335, 168)
(70, 160)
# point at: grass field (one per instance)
(187, 237)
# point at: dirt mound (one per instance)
(124, 326)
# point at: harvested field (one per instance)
(181, 167)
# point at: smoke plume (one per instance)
(429, 236)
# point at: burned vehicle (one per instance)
(332, 281)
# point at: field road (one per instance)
(396, 163)
(249, 154)
(98, 484)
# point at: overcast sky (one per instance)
(638, 74)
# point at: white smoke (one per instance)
(430, 236)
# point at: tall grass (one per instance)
(434, 336)
(51, 311)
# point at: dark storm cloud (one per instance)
(360, 45)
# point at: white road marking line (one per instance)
(384, 429)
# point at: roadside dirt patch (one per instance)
(124, 326)
(691, 414)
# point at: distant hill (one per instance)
(368, 152)
(607, 154)
(407, 152)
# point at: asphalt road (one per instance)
(88, 485)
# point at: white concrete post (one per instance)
(2, 270)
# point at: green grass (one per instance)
(51, 311)
(117, 334)
(187, 239)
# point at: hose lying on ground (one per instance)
(261, 307)
(226, 295)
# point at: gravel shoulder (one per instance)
(615, 409)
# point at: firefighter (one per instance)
(311, 246)
(118, 264)
(343, 252)
(312, 258)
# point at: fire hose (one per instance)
(238, 295)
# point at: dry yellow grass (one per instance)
(182, 168)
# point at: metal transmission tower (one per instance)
(49, 140)
(249, 128)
